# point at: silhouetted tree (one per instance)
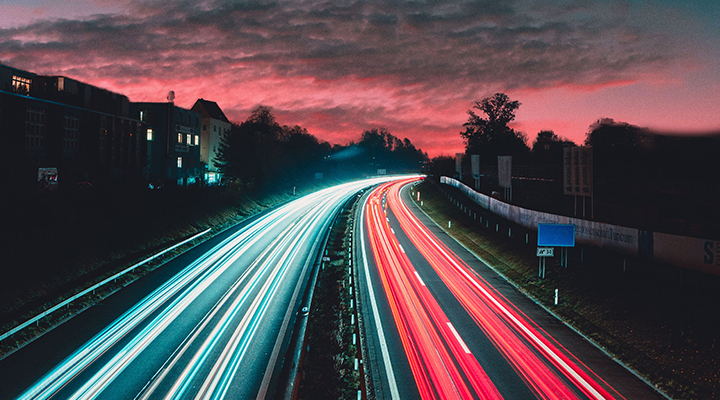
(250, 151)
(301, 154)
(441, 166)
(380, 149)
(491, 137)
(548, 148)
(617, 139)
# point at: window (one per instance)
(197, 140)
(102, 135)
(214, 128)
(21, 85)
(34, 128)
(204, 127)
(189, 139)
(142, 115)
(179, 137)
(149, 134)
(179, 162)
(61, 84)
(70, 135)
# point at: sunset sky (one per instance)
(414, 68)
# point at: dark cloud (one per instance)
(432, 52)
(506, 43)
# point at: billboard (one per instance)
(561, 235)
(458, 165)
(578, 171)
(475, 160)
(505, 171)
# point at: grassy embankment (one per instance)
(328, 364)
(58, 245)
(660, 320)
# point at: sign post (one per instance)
(475, 162)
(543, 253)
(578, 175)
(458, 165)
(554, 235)
(505, 175)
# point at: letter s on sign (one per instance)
(708, 252)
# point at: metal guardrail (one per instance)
(90, 289)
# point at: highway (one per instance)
(439, 324)
(217, 327)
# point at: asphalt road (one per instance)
(439, 323)
(213, 323)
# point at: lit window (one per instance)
(61, 84)
(179, 163)
(179, 137)
(197, 140)
(142, 115)
(149, 134)
(189, 140)
(20, 85)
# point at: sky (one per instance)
(415, 68)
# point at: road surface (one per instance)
(214, 323)
(439, 323)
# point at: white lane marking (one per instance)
(394, 393)
(459, 339)
(401, 248)
(517, 323)
(419, 278)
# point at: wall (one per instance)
(685, 252)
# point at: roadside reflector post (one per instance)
(449, 224)
(556, 297)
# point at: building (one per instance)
(173, 143)
(214, 126)
(57, 131)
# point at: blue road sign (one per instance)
(559, 235)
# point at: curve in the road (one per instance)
(439, 359)
(271, 252)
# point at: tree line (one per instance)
(259, 150)
(620, 150)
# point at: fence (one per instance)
(682, 251)
(66, 302)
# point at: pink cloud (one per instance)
(413, 69)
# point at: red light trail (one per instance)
(441, 363)
(549, 370)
